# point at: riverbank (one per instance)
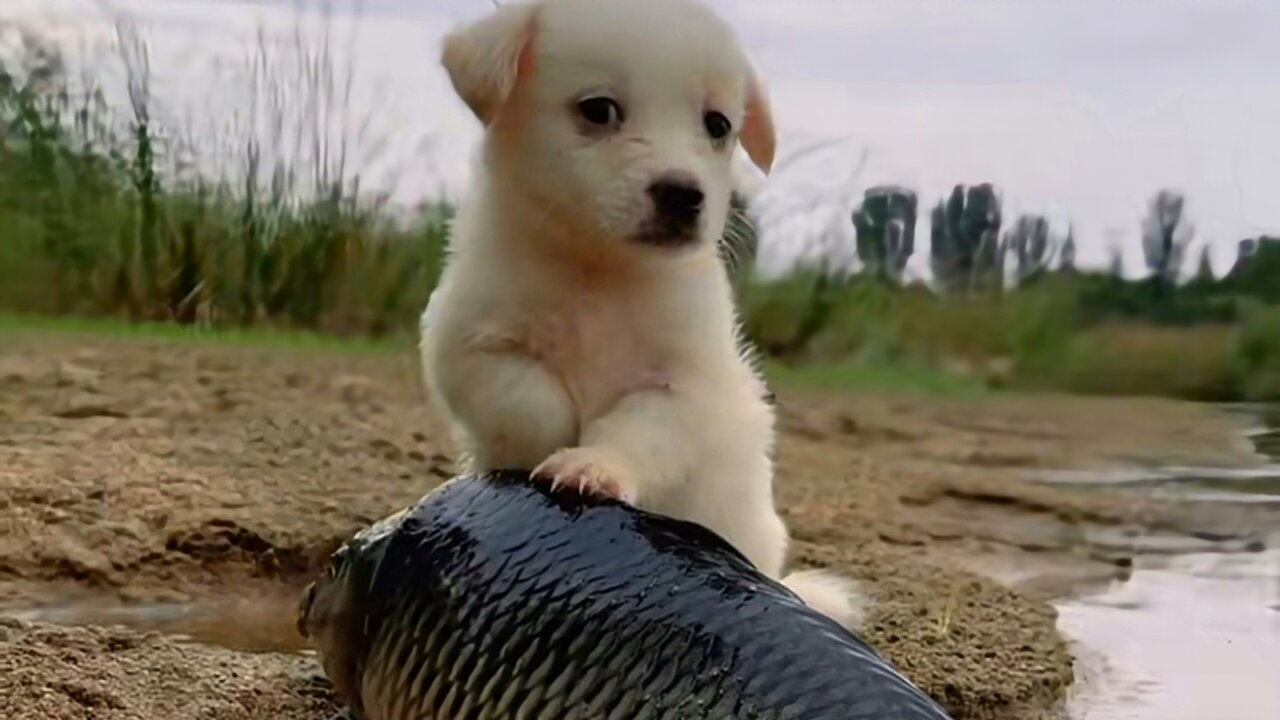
(190, 489)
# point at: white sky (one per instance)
(1079, 109)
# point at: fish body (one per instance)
(495, 597)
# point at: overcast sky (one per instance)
(1079, 109)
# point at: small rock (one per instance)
(71, 375)
(13, 623)
(354, 389)
(225, 400)
(386, 447)
(120, 529)
(83, 562)
(82, 407)
(19, 370)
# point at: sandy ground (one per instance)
(192, 489)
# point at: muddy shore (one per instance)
(189, 490)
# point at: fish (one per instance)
(496, 597)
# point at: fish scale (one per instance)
(496, 598)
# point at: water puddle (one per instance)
(253, 623)
(1257, 485)
(1191, 630)
(1193, 637)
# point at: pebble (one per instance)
(72, 375)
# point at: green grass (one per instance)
(106, 211)
(14, 324)
(836, 377)
(861, 378)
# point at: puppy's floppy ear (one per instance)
(486, 59)
(758, 136)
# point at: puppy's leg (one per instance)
(639, 448)
(511, 411)
(759, 533)
(655, 440)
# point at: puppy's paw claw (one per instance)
(587, 471)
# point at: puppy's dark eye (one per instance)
(601, 111)
(718, 126)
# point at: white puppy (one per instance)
(584, 326)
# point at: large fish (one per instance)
(496, 598)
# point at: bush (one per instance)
(1257, 354)
(1046, 335)
(1132, 359)
(98, 218)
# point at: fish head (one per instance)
(333, 610)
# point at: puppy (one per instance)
(584, 325)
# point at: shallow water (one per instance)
(263, 622)
(1192, 632)
(1195, 637)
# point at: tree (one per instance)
(1257, 269)
(1067, 256)
(965, 250)
(1165, 235)
(886, 230)
(1031, 244)
(1245, 249)
(1204, 271)
(1115, 265)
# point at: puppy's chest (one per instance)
(600, 350)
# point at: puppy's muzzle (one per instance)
(677, 206)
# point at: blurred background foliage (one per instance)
(105, 213)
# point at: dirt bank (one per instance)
(58, 673)
(158, 477)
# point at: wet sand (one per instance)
(189, 490)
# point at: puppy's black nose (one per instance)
(677, 200)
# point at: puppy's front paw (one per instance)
(590, 471)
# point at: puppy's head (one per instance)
(620, 117)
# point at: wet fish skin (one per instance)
(494, 597)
